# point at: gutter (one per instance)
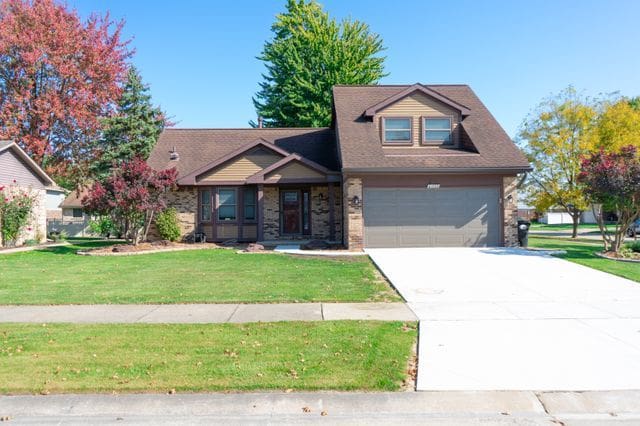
(464, 170)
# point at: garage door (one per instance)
(445, 217)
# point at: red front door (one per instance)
(291, 212)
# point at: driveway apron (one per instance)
(511, 319)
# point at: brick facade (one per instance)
(185, 201)
(271, 222)
(510, 212)
(353, 221)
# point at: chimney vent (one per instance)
(260, 123)
(173, 154)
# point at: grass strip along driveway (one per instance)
(582, 252)
(332, 355)
(59, 276)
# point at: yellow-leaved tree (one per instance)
(555, 137)
(618, 125)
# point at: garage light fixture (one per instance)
(356, 200)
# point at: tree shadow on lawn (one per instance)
(75, 246)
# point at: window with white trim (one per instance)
(226, 204)
(396, 130)
(436, 130)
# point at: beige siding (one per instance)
(13, 168)
(294, 171)
(227, 231)
(242, 167)
(417, 106)
(250, 232)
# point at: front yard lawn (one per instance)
(330, 355)
(58, 276)
(582, 252)
(586, 227)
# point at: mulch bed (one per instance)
(145, 248)
(635, 257)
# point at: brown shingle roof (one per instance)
(360, 147)
(74, 199)
(199, 147)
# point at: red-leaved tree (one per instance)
(612, 182)
(59, 77)
(131, 196)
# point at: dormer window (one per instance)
(396, 130)
(436, 130)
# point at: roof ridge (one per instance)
(248, 128)
(403, 85)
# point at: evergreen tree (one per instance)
(308, 55)
(133, 130)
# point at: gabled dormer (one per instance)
(418, 117)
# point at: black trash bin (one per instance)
(523, 232)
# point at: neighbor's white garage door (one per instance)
(419, 217)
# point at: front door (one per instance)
(291, 212)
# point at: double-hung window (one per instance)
(249, 201)
(436, 130)
(205, 205)
(226, 204)
(396, 130)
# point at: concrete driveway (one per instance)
(509, 319)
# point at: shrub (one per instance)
(58, 235)
(634, 246)
(15, 212)
(167, 225)
(102, 226)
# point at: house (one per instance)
(19, 171)
(54, 197)
(400, 166)
(73, 220)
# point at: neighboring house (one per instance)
(55, 197)
(401, 166)
(18, 170)
(74, 221)
(527, 212)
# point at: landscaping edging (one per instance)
(618, 259)
(31, 248)
(133, 253)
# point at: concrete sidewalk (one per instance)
(206, 313)
(440, 408)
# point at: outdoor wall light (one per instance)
(356, 200)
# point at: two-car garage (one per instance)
(441, 217)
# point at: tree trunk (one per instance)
(147, 225)
(575, 217)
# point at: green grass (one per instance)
(57, 275)
(564, 227)
(582, 252)
(330, 355)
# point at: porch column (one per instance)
(260, 212)
(332, 213)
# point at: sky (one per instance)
(199, 57)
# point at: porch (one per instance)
(271, 213)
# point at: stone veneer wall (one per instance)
(185, 201)
(320, 224)
(510, 214)
(271, 219)
(353, 221)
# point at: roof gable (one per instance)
(296, 165)
(32, 165)
(416, 88)
(256, 145)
